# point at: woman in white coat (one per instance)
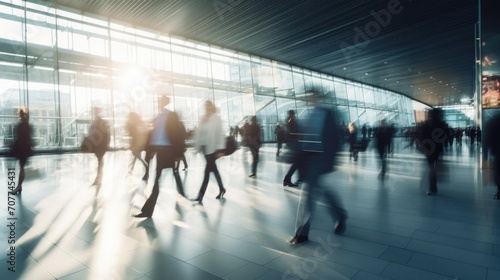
(210, 140)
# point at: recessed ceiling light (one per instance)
(345, 68)
(366, 74)
(385, 79)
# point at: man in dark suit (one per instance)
(167, 142)
(319, 144)
(433, 134)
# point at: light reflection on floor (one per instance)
(68, 229)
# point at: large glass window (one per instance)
(60, 64)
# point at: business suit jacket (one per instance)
(176, 133)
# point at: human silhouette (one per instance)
(253, 135)
(293, 145)
(22, 148)
(167, 143)
(99, 137)
(352, 138)
(210, 140)
(279, 134)
(138, 138)
(431, 141)
(383, 135)
(320, 142)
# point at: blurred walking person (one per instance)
(254, 142)
(320, 142)
(22, 148)
(352, 138)
(209, 140)
(280, 138)
(432, 138)
(97, 142)
(138, 138)
(167, 141)
(383, 135)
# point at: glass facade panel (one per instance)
(64, 65)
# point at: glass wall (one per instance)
(59, 64)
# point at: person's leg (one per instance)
(432, 176)
(139, 157)
(178, 183)
(184, 161)
(100, 167)
(149, 206)
(215, 170)
(132, 162)
(287, 181)
(255, 161)
(20, 180)
(304, 213)
(150, 153)
(337, 212)
(206, 176)
(383, 161)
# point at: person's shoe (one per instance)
(340, 228)
(289, 184)
(17, 190)
(252, 175)
(299, 239)
(143, 215)
(431, 193)
(221, 194)
(497, 196)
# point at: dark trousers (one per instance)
(150, 204)
(432, 162)
(255, 158)
(382, 153)
(210, 167)
(279, 144)
(291, 171)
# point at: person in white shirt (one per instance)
(210, 140)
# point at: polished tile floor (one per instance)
(67, 229)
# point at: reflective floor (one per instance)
(67, 229)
